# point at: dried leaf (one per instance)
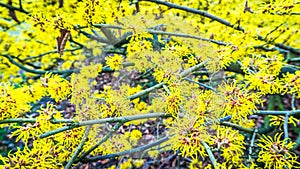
(62, 40)
(60, 3)
(12, 13)
(247, 8)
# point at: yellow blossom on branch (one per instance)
(114, 62)
(275, 152)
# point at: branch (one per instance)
(96, 38)
(202, 84)
(285, 125)
(252, 145)
(270, 112)
(286, 120)
(187, 36)
(199, 12)
(222, 21)
(33, 120)
(107, 26)
(122, 119)
(37, 71)
(210, 154)
(107, 136)
(293, 60)
(151, 31)
(13, 8)
(280, 45)
(241, 128)
(79, 148)
(191, 69)
(109, 35)
(146, 91)
(138, 149)
(50, 52)
(159, 85)
(18, 120)
(62, 72)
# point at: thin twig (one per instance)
(107, 136)
(252, 145)
(50, 52)
(13, 8)
(151, 31)
(241, 128)
(188, 36)
(210, 154)
(222, 21)
(37, 71)
(138, 149)
(270, 112)
(202, 84)
(122, 119)
(277, 27)
(199, 12)
(159, 85)
(20, 4)
(79, 148)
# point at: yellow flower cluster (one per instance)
(39, 156)
(188, 138)
(230, 143)
(42, 125)
(15, 102)
(239, 103)
(56, 87)
(114, 62)
(292, 83)
(275, 152)
(85, 105)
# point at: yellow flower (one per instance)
(116, 102)
(57, 87)
(292, 83)
(66, 65)
(279, 120)
(188, 137)
(115, 61)
(134, 136)
(14, 102)
(230, 143)
(264, 83)
(195, 164)
(39, 156)
(127, 164)
(116, 144)
(173, 101)
(153, 153)
(138, 163)
(275, 152)
(239, 103)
